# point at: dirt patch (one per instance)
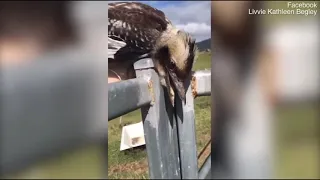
(206, 152)
(204, 155)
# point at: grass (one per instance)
(297, 151)
(82, 163)
(133, 163)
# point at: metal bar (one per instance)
(126, 96)
(187, 135)
(48, 107)
(201, 83)
(205, 170)
(159, 128)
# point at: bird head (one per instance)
(175, 53)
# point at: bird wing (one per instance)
(137, 25)
(114, 46)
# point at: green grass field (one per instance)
(297, 142)
(133, 163)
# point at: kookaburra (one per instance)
(137, 30)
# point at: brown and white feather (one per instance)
(136, 24)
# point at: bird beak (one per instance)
(178, 85)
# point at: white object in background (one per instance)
(132, 136)
(297, 43)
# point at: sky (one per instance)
(191, 16)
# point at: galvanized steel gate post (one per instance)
(159, 127)
(187, 135)
(170, 132)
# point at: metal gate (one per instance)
(169, 132)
